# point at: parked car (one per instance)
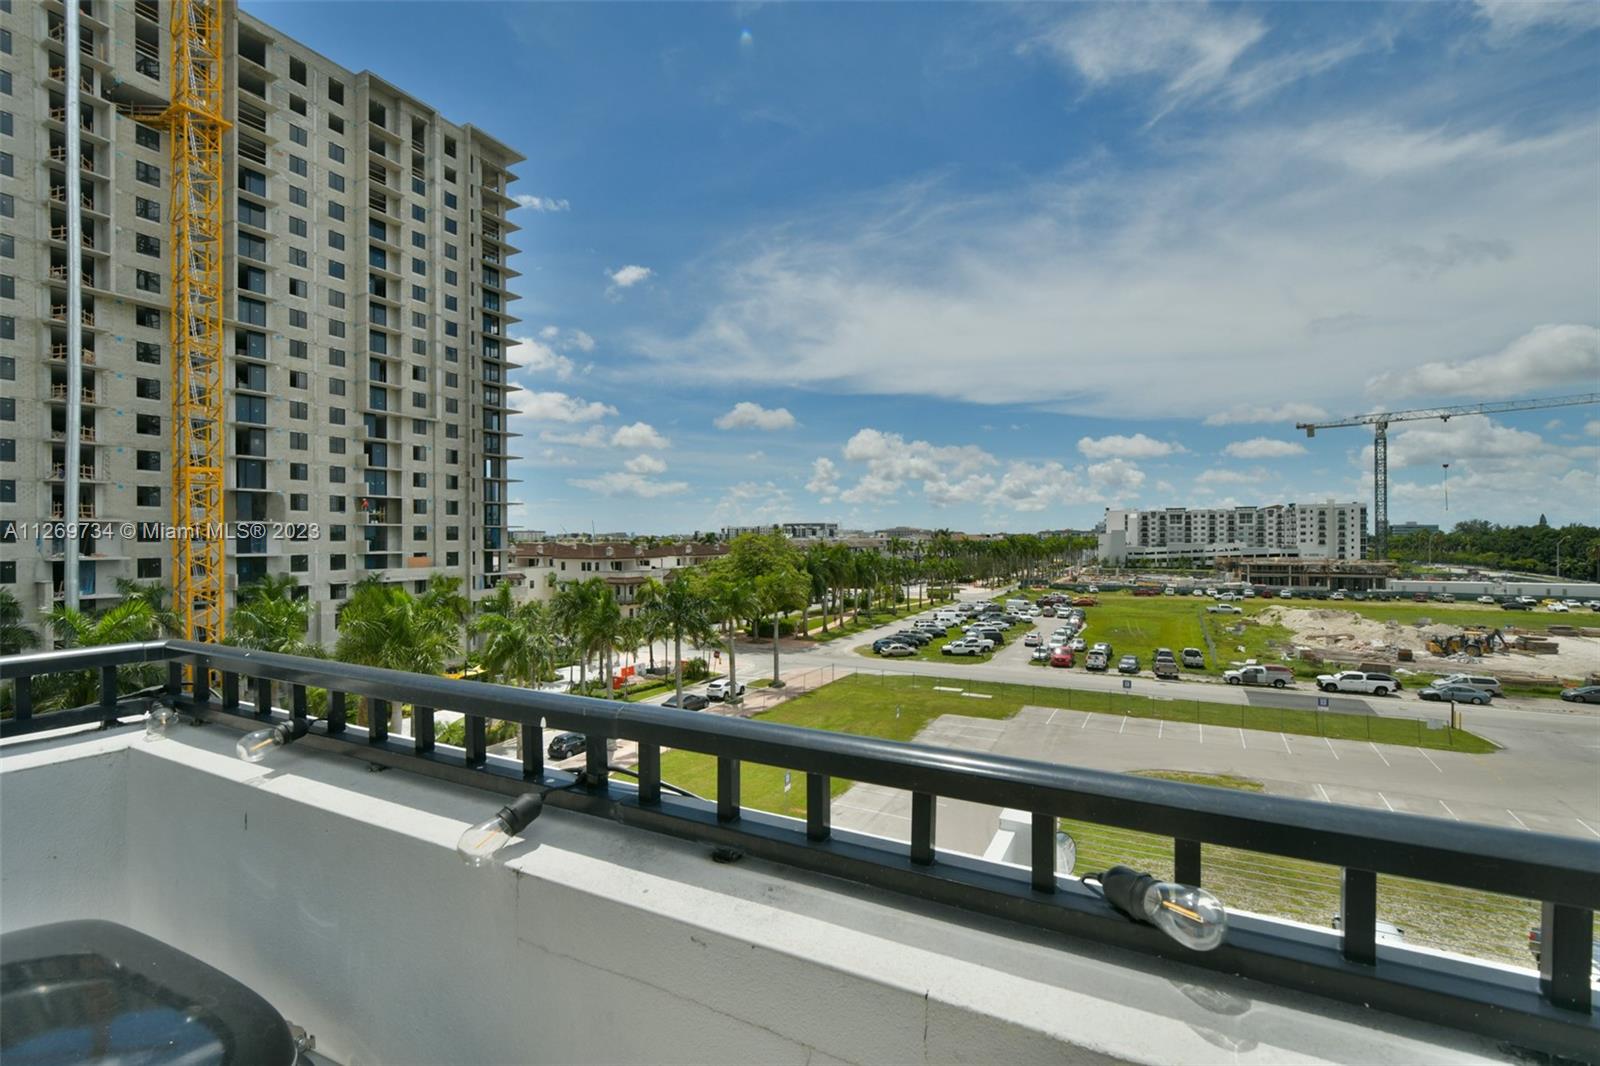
(1529, 600)
(1286, 594)
(1169, 591)
(1455, 693)
(1486, 599)
(1260, 674)
(720, 690)
(1224, 608)
(692, 701)
(1165, 669)
(1078, 644)
(1194, 658)
(1198, 592)
(1483, 681)
(1558, 608)
(911, 636)
(1043, 654)
(1048, 612)
(1357, 681)
(1582, 694)
(1513, 605)
(896, 651)
(1338, 594)
(967, 646)
(1093, 589)
(1063, 657)
(1164, 653)
(1085, 601)
(1096, 661)
(566, 745)
(1032, 640)
(1128, 664)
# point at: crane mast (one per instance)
(1379, 421)
(195, 123)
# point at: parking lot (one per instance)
(1500, 789)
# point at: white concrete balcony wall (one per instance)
(335, 892)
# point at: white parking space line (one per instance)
(1123, 726)
(1386, 802)
(871, 810)
(1241, 740)
(1447, 810)
(1286, 746)
(1514, 818)
(1202, 732)
(1160, 728)
(1085, 724)
(1589, 827)
(1378, 753)
(1425, 755)
(1324, 792)
(1335, 754)
(1052, 717)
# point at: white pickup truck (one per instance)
(1276, 676)
(1356, 681)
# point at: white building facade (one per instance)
(1329, 530)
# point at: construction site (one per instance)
(1554, 654)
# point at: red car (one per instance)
(1144, 591)
(1061, 657)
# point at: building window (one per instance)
(149, 210)
(148, 317)
(298, 134)
(297, 165)
(298, 410)
(147, 388)
(299, 501)
(145, 244)
(252, 311)
(149, 425)
(147, 281)
(148, 173)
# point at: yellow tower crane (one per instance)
(195, 124)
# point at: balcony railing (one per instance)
(1552, 1012)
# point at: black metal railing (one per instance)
(1552, 1012)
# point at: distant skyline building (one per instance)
(792, 530)
(1328, 530)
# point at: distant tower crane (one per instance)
(1379, 421)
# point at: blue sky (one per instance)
(1000, 267)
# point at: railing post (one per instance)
(230, 691)
(421, 729)
(1044, 852)
(530, 739)
(22, 700)
(1358, 915)
(727, 789)
(200, 684)
(336, 710)
(924, 824)
(263, 696)
(649, 773)
(108, 689)
(475, 739)
(1186, 862)
(819, 807)
(1566, 939)
(597, 761)
(297, 699)
(377, 721)
(174, 678)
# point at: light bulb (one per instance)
(1190, 915)
(1066, 853)
(253, 747)
(160, 717)
(478, 845)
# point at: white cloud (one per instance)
(645, 464)
(536, 357)
(557, 407)
(1116, 478)
(540, 203)
(620, 483)
(1137, 446)
(747, 415)
(1283, 412)
(581, 340)
(1264, 448)
(593, 437)
(1592, 428)
(1166, 286)
(1188, 49)
(629, 276)
(824, 478)
(751, 503)
(1219, 476)
(639, 435)
(1564, 356)
(1508, 19)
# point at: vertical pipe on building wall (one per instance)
(74, 449)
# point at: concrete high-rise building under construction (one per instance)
(366, 315)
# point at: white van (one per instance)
(946, 618)
(1017, 605)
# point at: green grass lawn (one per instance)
(1440, 916)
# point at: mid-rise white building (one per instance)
(1329, 530)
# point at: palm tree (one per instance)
(733, 599)
(780, 591)
(131, 620)
(384, 625)
(271, 617)
(15, 637)
(680, 607)
(518, 638)
(167, 621)
(605, 628)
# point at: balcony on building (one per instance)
(632, 923)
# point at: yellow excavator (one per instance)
(1475, 641)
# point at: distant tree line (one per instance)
(1495, 547)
